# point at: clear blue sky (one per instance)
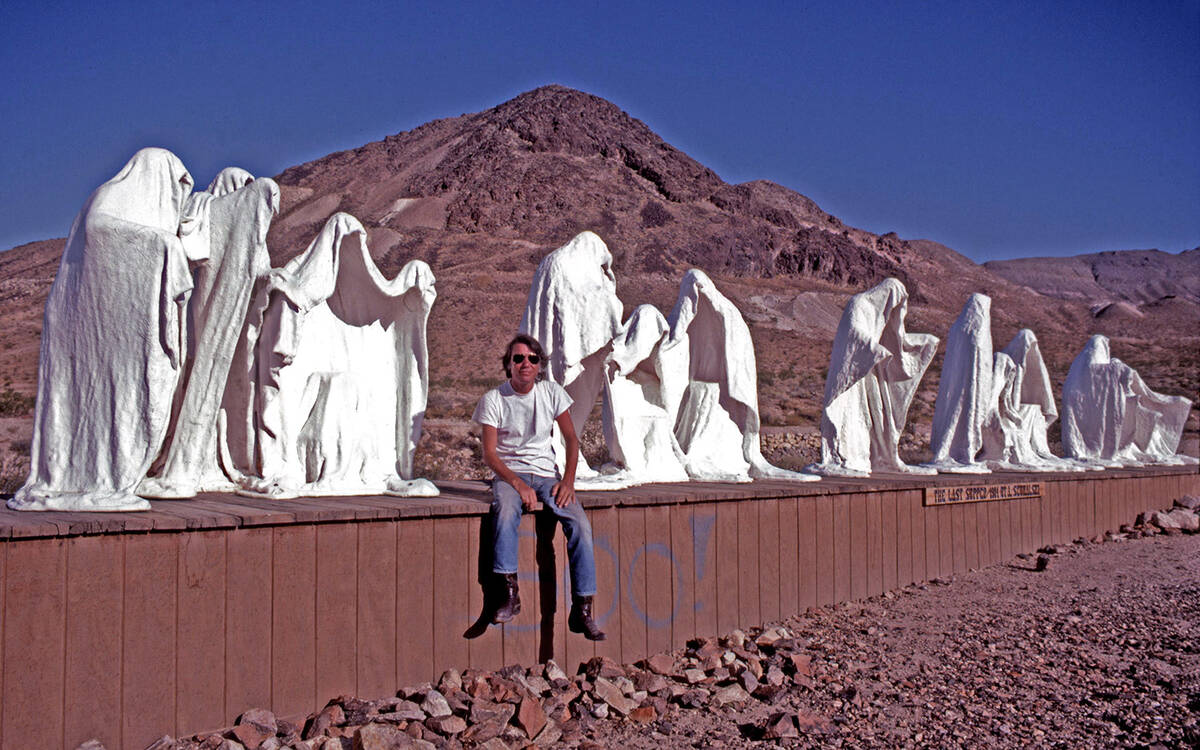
(1002, 129)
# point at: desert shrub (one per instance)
(15, 404)
(13, 471)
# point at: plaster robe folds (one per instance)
(678, 394)
(1111, 418)
(114, 342)
(230, 222)
(336, 361)
(965, 418)
(1024, 406)
(874, 370)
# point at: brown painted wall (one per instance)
(126, 637)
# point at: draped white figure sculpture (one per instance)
(964, 416)
(113, 342)
(874, 371)
(228, 180)
(234, 224)
(339, 374)
(1110, 417)
(645, 378)
(574, 313)
(1024, 405)
(716, 420)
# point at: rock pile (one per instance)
(542, 706)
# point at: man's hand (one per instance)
(529, 498)
(564, 493)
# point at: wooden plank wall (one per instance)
(128, 637)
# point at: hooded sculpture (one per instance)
(113, 342)
(964, 416)
(1024, 406)
(234, 223)
(574, 313)
(874, 371)
(338, 363)
(1110, 417)
(640, 403)
(716, 416)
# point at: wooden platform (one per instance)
(128, 626)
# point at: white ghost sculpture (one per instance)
(113, 342)
(339, 373)
(1111, 418)
(574, 313)
(1024, 405)
(234, 224)
(874, 371)
(964, 416)
(716, 416)
(639, 405)
(229, 180)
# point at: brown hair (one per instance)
(532, 344)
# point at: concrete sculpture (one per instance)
(679, 395)
(574, 312)
(233, 224)
(965, 420)
(1111, 418)
(644, 381)
(337, 359)
(1024, 405)
(874, 371)
(113, 342)
(717, 421)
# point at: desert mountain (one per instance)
(1134, 276)
(483, 197)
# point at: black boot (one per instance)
(580, 620)
(508, 598)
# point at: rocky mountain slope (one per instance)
(483, 197)
(1136, 276)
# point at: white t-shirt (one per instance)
(523, 423)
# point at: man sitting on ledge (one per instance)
(517, 419)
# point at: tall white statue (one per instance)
(1024, 405)
(874, 372)
(113, 342)
(574, 313)
(1110, 417)
(234, 223)
(339, 374)
(716, 420)
(964, 416)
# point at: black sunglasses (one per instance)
(519, 358)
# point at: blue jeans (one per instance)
(506, 520)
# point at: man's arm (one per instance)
(492, 459)
(564, 491)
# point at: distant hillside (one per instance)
(1137, 276)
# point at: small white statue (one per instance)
(965, 420)
(113, 342)
(339, 374)
(1111, 418)
(1024, 404)
(874, 371)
